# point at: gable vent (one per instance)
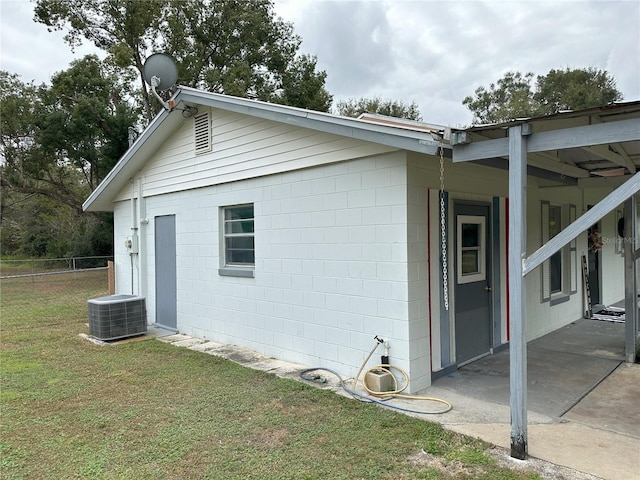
(202, 133)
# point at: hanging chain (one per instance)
(443, 235)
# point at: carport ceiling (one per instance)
(590, 165)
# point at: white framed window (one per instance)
(471, 254)
(238, 236)
(559, 272)
(556, 260)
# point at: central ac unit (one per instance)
(117, 316)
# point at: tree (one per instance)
(575, 89)
(67, 137)
(392, 108)
(36, 226)
(303, 87)
(226, 46)
(58, 143)
(513, 96)
(510, 98)
(17, 101)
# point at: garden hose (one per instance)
(395, 393)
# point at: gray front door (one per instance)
(472, 281)
(166, 304)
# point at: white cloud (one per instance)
(433, 53)
(441, 51)
(28, 49)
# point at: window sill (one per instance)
(558, 298)
(236, 272)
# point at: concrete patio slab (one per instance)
(556, 380)
(594, 338)
(607, 407)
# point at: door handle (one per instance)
(487, 288)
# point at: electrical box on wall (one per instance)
(131, 244)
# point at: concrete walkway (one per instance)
(598, 437)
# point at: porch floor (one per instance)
(582, 399)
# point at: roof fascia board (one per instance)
(124, 161)
(346, 127)
(583, 136)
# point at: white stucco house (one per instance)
(302, 235)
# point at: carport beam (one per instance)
(630, 279)
(517, 293)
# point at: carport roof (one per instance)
(607, 156)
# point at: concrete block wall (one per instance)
(331, 265)
(123, 264)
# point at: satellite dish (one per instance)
(161, 66)
(161, 73)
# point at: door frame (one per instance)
(487, 252)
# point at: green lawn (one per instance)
(149, 410)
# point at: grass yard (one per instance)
(149, 410)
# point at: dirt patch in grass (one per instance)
(272, 439)
(423, 459)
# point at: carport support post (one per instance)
(517, 294)
(630, 279)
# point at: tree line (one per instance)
(59, 141)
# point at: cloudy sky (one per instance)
(433, 53)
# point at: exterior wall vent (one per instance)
(202, 131)
(117, 316)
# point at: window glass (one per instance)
(555, 272)
(555, 220)
(470, 263)
(239, 243)
(239, 213)
(471, 249)
(239, 226)
(470, 235)
(555, 262)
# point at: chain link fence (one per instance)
(57, 274)
(38, 267)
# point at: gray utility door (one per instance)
(165, 241)
(472, 281)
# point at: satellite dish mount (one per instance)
(161, 73)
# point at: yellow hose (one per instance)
(396, 392)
